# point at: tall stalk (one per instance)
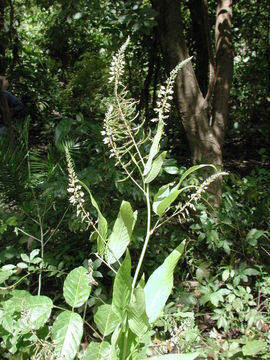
(147, 238)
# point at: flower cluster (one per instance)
(76, 193)
(165, 94)
(118, 63)
(195, 197)
(120, 130)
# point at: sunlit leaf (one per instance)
(160, 283)
(76, 287)
(106, 320)
(121, 234)
(67, 331)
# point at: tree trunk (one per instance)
(204, 120)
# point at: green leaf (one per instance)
(22, 265)
(190, 356)
(38, 309)
(62, 130)
(192, 169)
(106, 320)
(155, 168)
(154, 148)
(25, 258)
(225, 275)
(122, 288)
(217, 297)
(160, 283)
(67, 331)
(102, 222)
(165, 197)
(137, 318)
(4, 275)
(18, 300)
(34, 253)
(121, 234)
(99, 351)
(171, 170)
(254, 347)
(76, 287)
(8, 322)
(12, 220)
(251, 272)
(253, 236)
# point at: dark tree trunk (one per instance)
(204, 120)
(197, 14)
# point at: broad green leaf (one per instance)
(25, 258)
(190, 356)
(254, 347)
(122, 288)
(225, 275)
(102, 222)
(22, 265)
(253, 236)
(166, 196)
(76, 287)
(192, 169)
(4, 275)
(18, 301)
(164, 200)
(251, 272)
(34, 253)
(173, 170)
(154, 148)
(155, 168)
(121, 234)
(99, 351)
(38, 309)
(137, 318)
(67, 331)
(160, 283)
(34, 310)
(8, 322)
(106, 320)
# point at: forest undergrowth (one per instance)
(171, 277)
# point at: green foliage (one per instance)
(67, 331)
(61, 75)
(76, 287)
(160, 283)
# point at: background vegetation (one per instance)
(57, 57)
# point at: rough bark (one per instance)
(204, 124)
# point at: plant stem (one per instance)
(146, 241)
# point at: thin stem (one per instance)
(57, 226)
(147, 238)
(41, 241)
(125, 340)
(25, 233)
(109, 266)
(16, 283)
(94, 330)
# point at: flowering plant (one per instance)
(126, 323)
